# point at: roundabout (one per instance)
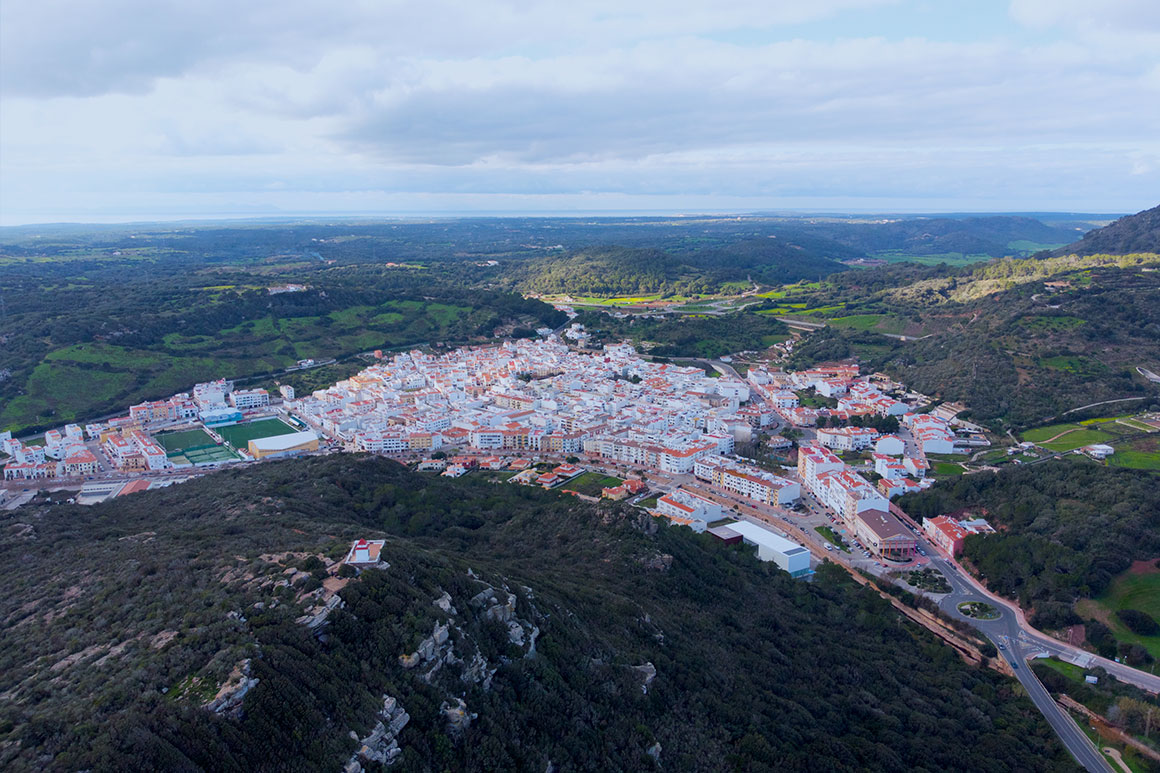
(978, 610)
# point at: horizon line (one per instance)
(221, 217)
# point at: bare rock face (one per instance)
(430, 649)
(444, 603)
(658, 562)
(458, 717)
(499, 604)
(228, 700)
(382, 745)
(648, 673)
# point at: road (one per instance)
(1016, 646)
(1016, 640)
(1105, 402)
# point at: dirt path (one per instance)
(1057, 437)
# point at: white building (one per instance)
(847, 438)
(788, 555)
(688, 509)
(783, 398)
(890, 445)
(931, 434)
(212, 394)
(748, 481)
(365, 552)
(248, 399)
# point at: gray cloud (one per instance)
(377, 103)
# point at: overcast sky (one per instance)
(151, 109)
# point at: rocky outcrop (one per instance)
(497, 604)
(444, 603)
(228, 700)
(381, 746)
(316, 616)
(657, 562)
(458, 717)
(648, 673)
(430, 649)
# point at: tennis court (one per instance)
(240, 435)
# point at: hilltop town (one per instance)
(522, 404)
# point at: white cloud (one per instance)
(105, 104)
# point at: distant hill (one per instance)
(996, 236)
(1128, 235)
(611, 271)
(513, 629)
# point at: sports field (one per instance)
(240, 435)
(177, 441)
(193, 446)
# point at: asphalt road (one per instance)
(1009, 633)
(1016, 646)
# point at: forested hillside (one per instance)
(1135, 233)
(709, 336)
(619, 271)
(1066, 527)
(1019, 341)
(577, 638)
(112, 335)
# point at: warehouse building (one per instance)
(771, 546)
(283, 445)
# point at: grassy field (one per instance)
(239, 435)
(193, 446)
(1044, 323)
(650, 503)
(64, 392)
(950, 258)
(789, 290)
(1082, 366)
(590, 483)
(1072, 672)
(1025, 245)
(178, 441)
(1139, 589)
(1039, 434)
(1076, 436)
(591, 300)
(1135, 460)
(947, 468)
(1139, 454)
(880, 323)
(1078, 439)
